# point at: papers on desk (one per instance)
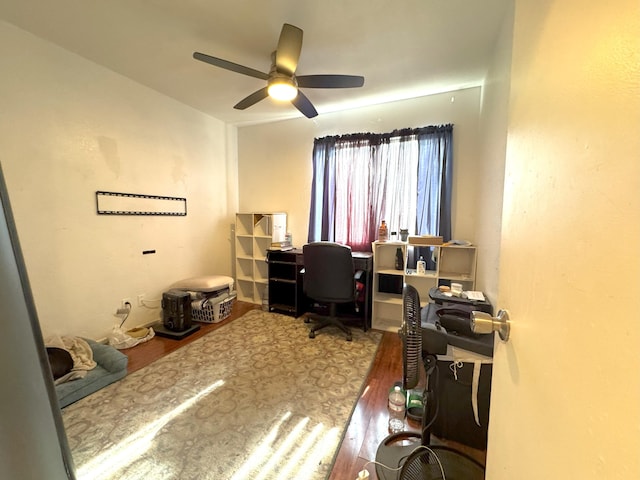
(473, 295)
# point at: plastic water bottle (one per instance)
(397, 409)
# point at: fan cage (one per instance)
(411, 334)
(429, 463)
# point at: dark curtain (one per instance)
(322, 214)
(435, 180)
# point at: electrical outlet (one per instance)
(141, 300)
(124, 301)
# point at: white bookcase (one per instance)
(452, 264)
(254, 234)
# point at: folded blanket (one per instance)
(80, 352)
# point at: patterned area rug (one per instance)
(254, 399)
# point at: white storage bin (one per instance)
(214, 309)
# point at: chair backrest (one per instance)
(329, 272)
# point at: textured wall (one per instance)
(493, 133)
(566, 391)
(68, 128)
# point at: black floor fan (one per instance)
(409, 455)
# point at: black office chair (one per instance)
(328, 279)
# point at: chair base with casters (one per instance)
(329, 280)
(326, 321)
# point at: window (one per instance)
(402, 177)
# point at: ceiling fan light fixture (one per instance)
(282, 82)
(282, 88)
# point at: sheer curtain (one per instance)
(396, 159)
(402, 177)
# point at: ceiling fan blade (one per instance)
(330, 81)
(302, 103)
(289, 48)
(234, 67)
(252, 99)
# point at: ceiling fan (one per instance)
(282, 82)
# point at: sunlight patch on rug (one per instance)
(298, 454)
(112, 460)
(255, 399)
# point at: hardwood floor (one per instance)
(145, 353)
(368, 426)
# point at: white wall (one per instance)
(493, 134)
(566, 390)
(274, 160)
(68, 128)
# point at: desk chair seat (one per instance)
(328, 279)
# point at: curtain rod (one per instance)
(379, 137)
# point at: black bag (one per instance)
(457, 318)
(455, 420)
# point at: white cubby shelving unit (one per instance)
(451, 263)
(254, 234)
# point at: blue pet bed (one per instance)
(111, 367)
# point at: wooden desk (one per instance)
(286, 276)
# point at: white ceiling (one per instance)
(403, 48)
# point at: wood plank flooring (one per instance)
(145, 353)
(368, 426)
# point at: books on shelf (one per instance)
(280, 246)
